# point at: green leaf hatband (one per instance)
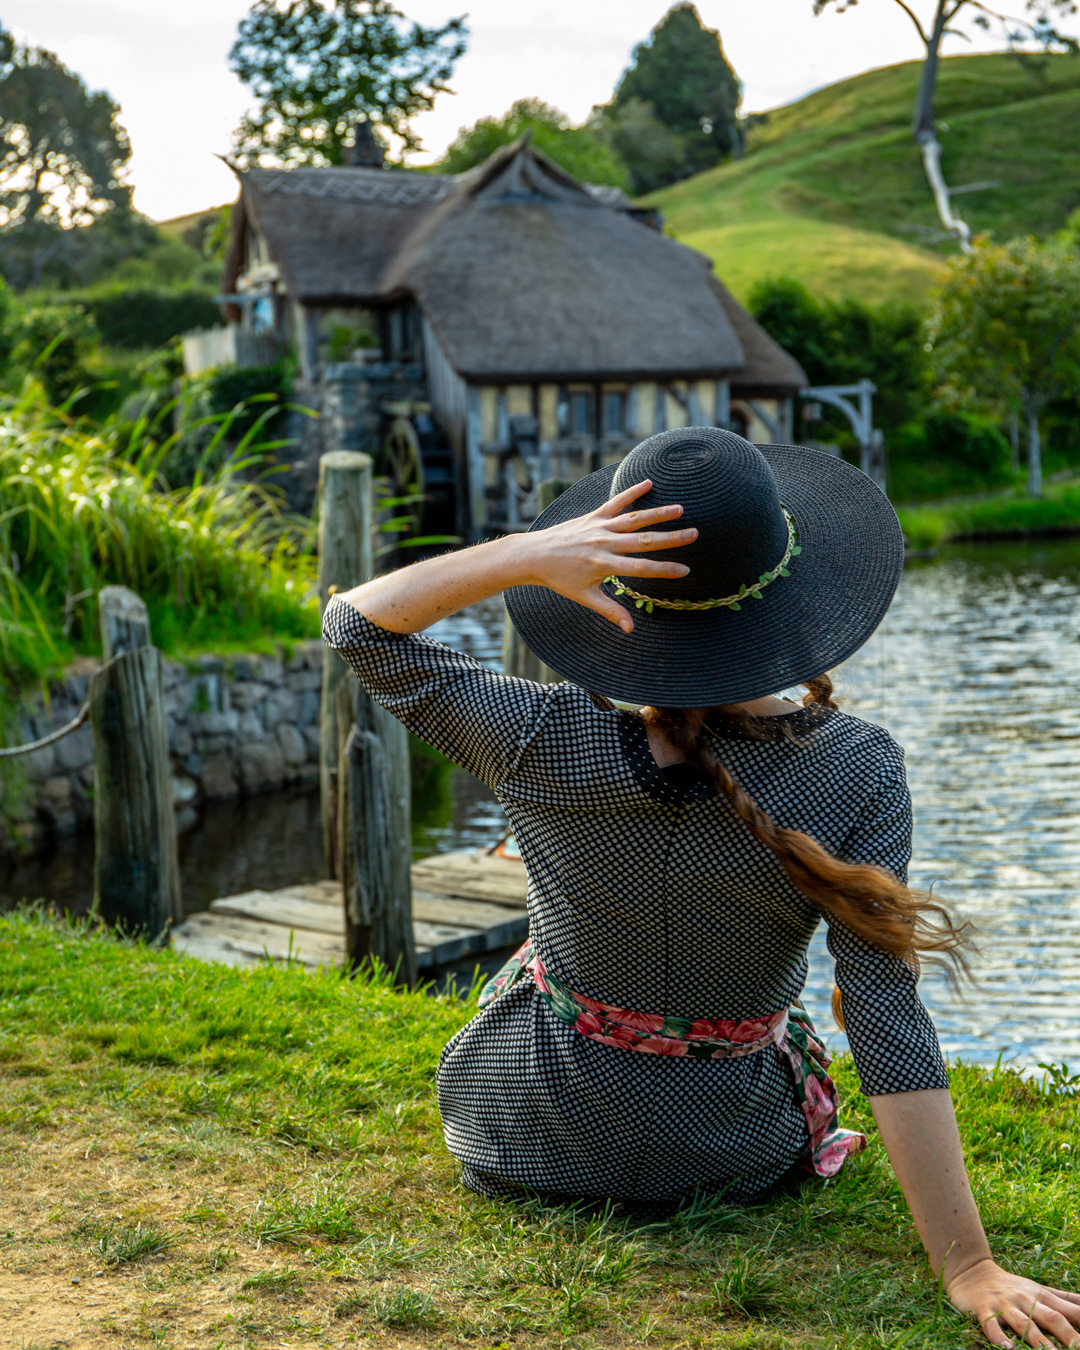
(650, 602)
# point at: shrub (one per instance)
(214, 394)
(144, 316)
(54, 344)
(948, 454)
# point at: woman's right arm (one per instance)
(920, 1136)
(571, 558)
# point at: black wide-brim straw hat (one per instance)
(803, 549)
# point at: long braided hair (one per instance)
(868, 900)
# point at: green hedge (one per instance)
(142, 316)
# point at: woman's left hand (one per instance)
(1012, 1310)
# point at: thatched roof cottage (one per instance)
(550, 323)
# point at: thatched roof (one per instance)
(524, 273)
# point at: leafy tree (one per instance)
(1004, 331)
(1039, 29)
(62, 156)
(316, 67)
(653, 154)
(680, 74)
(583, 153)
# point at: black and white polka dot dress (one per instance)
(647, 892)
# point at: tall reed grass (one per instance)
(83, 506)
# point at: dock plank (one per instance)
(284, 908)
(250, 941)
(474, 874)
(500, 924)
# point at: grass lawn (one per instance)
(832, 189)
(253, 1157)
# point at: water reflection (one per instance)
(972, 673)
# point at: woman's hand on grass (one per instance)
(1012, 1310)
(573, 558)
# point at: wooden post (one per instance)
(136, 871)
(375, 835)
(517, 658)
(125, 622)
(344, 562)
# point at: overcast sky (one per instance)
(164, 61)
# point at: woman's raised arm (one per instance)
(571, 558)
(920, 1136)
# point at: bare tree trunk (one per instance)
(926, 134)
(1014, 441)
(1034, 455)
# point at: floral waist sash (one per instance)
(790, 1030)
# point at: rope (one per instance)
(74, 725)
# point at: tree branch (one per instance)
(915, 20)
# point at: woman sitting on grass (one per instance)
(681, 856)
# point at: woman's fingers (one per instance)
(1030, 1324)
(642, 567)
(594, 598)
(638, 520)
(648, 543)
(616, 505)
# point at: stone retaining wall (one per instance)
(236, 724)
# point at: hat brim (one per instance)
(838, 591)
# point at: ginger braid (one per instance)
(869, 900)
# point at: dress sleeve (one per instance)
(892, 1038)
(479, 719)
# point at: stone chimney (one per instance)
(365, 152)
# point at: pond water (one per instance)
(972, 672)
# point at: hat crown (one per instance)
(728, 493)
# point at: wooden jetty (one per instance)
(463, 904)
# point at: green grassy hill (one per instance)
(831, 190)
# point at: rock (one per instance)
(193, 764)
(293, 749)
(41, 764)
(86, 776)
(75, 1279)
(300, 680)
(184, 789)
(210, 665)
(245, 696)
(251, 727)
(242, 668)
(280, 707)
(213, 745)
(186, 819)
(311, 740)
(214, 723)
(56, 795)
(218, 776)
(76, 750)
(180, 742)
(269, 669)
(262, 766)
(307, 708)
